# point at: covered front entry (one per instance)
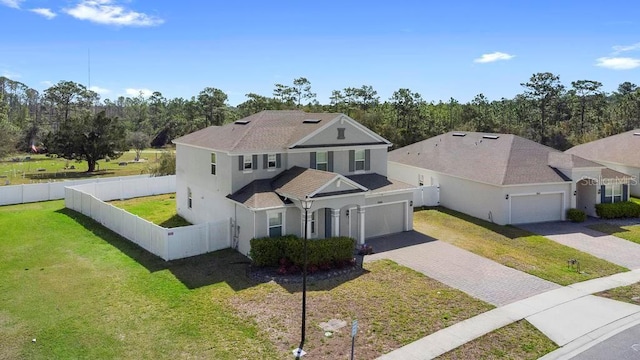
(532, 208)
(586, 196)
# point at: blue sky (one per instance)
(440, 49)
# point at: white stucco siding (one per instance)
(484, 201)
(634, 185)
(245, 220)
(241, 178)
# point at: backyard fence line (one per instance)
(27, 193)
(169, 244)
(426, 196)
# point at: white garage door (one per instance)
(384, 219)
(536, 208)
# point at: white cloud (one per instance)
(46, 83)
(624, 48)
(618, 63)
(11, 3)
(44, 12)
(99, 90)
(9, 74)
(137, 92)
(108, 13)
(496, 56)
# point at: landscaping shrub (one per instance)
(287, 252)
(624, 209)
(576, 215)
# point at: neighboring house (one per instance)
(254, 173)
(619, 152)
(504, 178)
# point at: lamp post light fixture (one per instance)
(306, 205)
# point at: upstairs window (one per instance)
(322, 162)
(248, 163)
(271, 161)
(359, 159)
(213, 163)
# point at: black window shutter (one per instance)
(254, 161)
(625, 192)
(312, 160)
(265, 160)
(241, 162)
(330, 161)
(367, 159)
(602, 194)
(278, 161)
(352, 160)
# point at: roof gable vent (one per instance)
(492, 137)
(310, 121)
(459, 134)
(242, 122)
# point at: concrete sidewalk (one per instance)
(570, 316)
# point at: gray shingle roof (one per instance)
(623, 149)
(507, 160)
(269, 130)
(378, 183)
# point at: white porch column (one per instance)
(360, 225)
(335, 222)
(308, 223)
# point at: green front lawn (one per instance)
(511, 246)
(158, 209)
(83, 292)
(631, 233)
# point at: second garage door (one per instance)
(384, 219)
(536, 208)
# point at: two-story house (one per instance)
(252, 175)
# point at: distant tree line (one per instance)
(547, 111)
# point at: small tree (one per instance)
(166, 164)
(138, 141)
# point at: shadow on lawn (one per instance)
(226, 266)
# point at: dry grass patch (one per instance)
(630, 294)
(519, 340)
(511, 246)
(393, 305)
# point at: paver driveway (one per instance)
(578, 236)
(477, 276)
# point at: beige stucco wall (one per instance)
(241, 178)
(634, 185)
(341, 161)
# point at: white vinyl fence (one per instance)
(169, 244)
(20, 194)
(426, 196)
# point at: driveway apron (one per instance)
(477, 276)
(613, 249)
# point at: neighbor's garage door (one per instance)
(536, 208)
(384, 219)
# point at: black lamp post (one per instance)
(306, 205)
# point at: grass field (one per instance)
(85, 293)
(511, 246)
(159, 209)
(631, 233)
(31, 168)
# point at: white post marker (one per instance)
(354, 331)
(298, 353)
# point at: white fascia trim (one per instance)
(337, 148)
(342, 178)
(371, 194)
